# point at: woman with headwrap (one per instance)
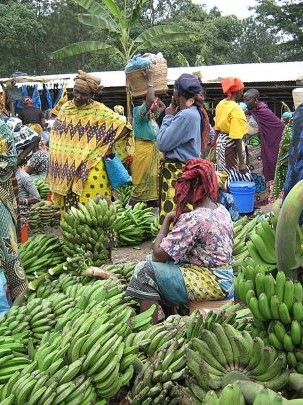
(9, 259)
(183, 135)
(268, 130)
(192, 261)
(84, 132)
(230, 126)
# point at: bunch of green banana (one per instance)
(42, 187)
(225, 355)
(154, 226)
(90, 227)
(124, 194)
(261, 245)
(230, 394)
(44, 213)
(242, 230)
(240, 394)
(278, 303)
(133, 224)
(40, 253)
(232, 314)
(155, 384)
(123, 270)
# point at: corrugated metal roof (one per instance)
(248, 73)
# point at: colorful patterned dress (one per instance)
(9, 259)
(200, 245)
(80, 138)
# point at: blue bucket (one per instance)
(244, 195)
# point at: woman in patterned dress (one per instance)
(84, 132)
(9, 259)
(192, 261)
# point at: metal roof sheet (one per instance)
(248, 73)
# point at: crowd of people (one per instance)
(182, 166)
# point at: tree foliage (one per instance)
(32, 29)
(285, 19)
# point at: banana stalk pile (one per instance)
(91, 228)
(43, 213)
(133, 224)
(42, 187)
(39, 254)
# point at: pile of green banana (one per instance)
(124, 194)
(225, 355)
(43, 213)
(156, 383)
(42, 187)
(255, 238)
(83, 351)
(91, 228)
(277, 302)
(244, 392)
(123, 271)
(133, 224)
(12, 358)
(40, 253)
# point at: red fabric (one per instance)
(231, 85)
(198, 177)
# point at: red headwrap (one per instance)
(198, 176)
(231, 85)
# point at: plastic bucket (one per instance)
(244, 195)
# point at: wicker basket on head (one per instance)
(137, 83)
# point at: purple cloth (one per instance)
(270, 130)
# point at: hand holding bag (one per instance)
(116, 172)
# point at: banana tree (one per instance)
(108, 17)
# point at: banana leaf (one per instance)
(99, 22)
(136, 13)
(82, 47)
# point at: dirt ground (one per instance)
(132, 253)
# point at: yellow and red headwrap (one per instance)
(231, 85)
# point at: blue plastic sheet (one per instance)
(136, 63)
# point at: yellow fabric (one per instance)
(125, 147)
(80, 137)
(201, 283)
(222, 178)
(36, 127)
(230, 118)
(145, 169)
(96, 184)
(62, 100)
